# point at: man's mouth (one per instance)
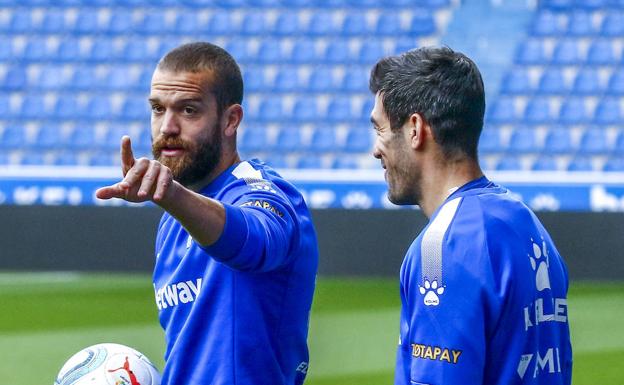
(172, 151)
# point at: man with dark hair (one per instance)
(236, 252)
(483, 287)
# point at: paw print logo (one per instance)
(539, 264)
(432, 291)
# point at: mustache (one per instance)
(169, 141)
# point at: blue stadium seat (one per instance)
(566, 52)
(186, 22)
(67, 107)
(276, 161)
(613, 24)
(49, 137)
(103, 50)
(15, 78)
(531, 52)
(508, 163)
(422, 23)
(405, 44)
(255, 139)
(254, 24)
(5, 105)
(69, 50)
(288, 23)
(580, 163)
(614, 164)
(546, 23)
(322, 80)
(36, 49)
(342, 162)
(516, 82)
(601, 53)
(587, 82)
(53, 21)
(309, 162)
(271, 110)
(153, 22)
(324, 139)
(358, 139)
(523, 140)
(289, 139)
(367, 108)
(616, 82)
(135, 107)
(388, 24)
(593, 141)
(355, 80)
(120, 23)
(32, 158)
(558, 141)
(239, 49)
(538, 111)
(552, 82)
(371, 51)
(580, 24)
(270, 51)
(20, 21)
(82, 137)
(220, 23)
(591, 4)
(338, 52)
(98, 108)
(84, 78)
(322, 23)
(304, 51)
(51, 77)
(137, 50)
(254, 80)
(560, 5)
(33, 107)
(306, 109)
(6, 48)
(573, 111)
(102, 158)
(86, 21)
(339, 109)
(264, 3)
(287, 80)
(503, 110)
(544, 163)
(65, 158)
(608, 111)
(144, 79)
(490, 141)
(13, 137)
(355, 24)
(434, 3)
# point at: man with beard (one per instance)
(236, 252)
(483, 288)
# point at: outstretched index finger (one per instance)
(127, 157)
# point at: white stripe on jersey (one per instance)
(244, 170)
(431, 245)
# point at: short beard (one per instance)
(199, 159)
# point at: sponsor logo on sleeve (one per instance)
(436, 353)
(264, 205)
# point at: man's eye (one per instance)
(157, 109)
(189, 110)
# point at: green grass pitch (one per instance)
(45, 318)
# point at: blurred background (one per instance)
(74, 78)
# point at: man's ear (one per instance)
(417, 131)
(231, 118)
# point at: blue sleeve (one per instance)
(260, 230)
(449, 317)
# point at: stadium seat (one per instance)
(20, 21)
(239, 49)
(544, 163)
(322, 80)
(322, 24)
(591, 4)
(276, 161)
(616, 82)
(388, 24)
(355, 24)
(538, 111)
(573, 111)
(580, 163)
(614, 164)
(103, 50)
(566, 52)
(84, 78)
(305, 109)
(304, 52)
(32, 158)
(546, 23)
(65, 158)
(531, 52)
(5, 105)
(342, 162)
(490, 141)
(254, 139)
(270, 51)
(516, 82)
(271, 110)
(120, 23)
(12, 137)
(355, 80)
(309, 162)
(221, 23)
(552, 82)
(51, 77)
(36, 49)
(593, 141)
(86, 21)
(503, 110)
(288, 139)
(338, 52)
(340, 109)
(153, 22)
(254, 80)
(6, 48)
(67, 107)
(15, 78)
(135, 107)
(405, 44)
(613, 24)
(69, 50)
(608, 112)
(558, 141)
(421, 23)
(560, 5)
(186, 22)
(508, 163)
(370, 52)
(102, 158)
(33, 107)
(523, 140)
(580, 24)
(137, 50)
(587, 82)
(288, 23)
(324, 139)
(601, 53)
(49, 137)
(119, 78)
(98, 108)
(53, 21)
(358, 139)
(82, 137)
(254, 24)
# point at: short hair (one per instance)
(442, 85)
(227, 82)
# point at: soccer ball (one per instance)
(108, 364)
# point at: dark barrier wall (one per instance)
(352, 242)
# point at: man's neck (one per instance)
(442, 179)
(226, 161)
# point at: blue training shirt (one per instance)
(237, 312)
(483, 293)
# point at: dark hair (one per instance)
(442, 85)
(227, 83)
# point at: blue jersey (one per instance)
(237, 312)
(483, 293)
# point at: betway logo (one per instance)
(176, 293)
